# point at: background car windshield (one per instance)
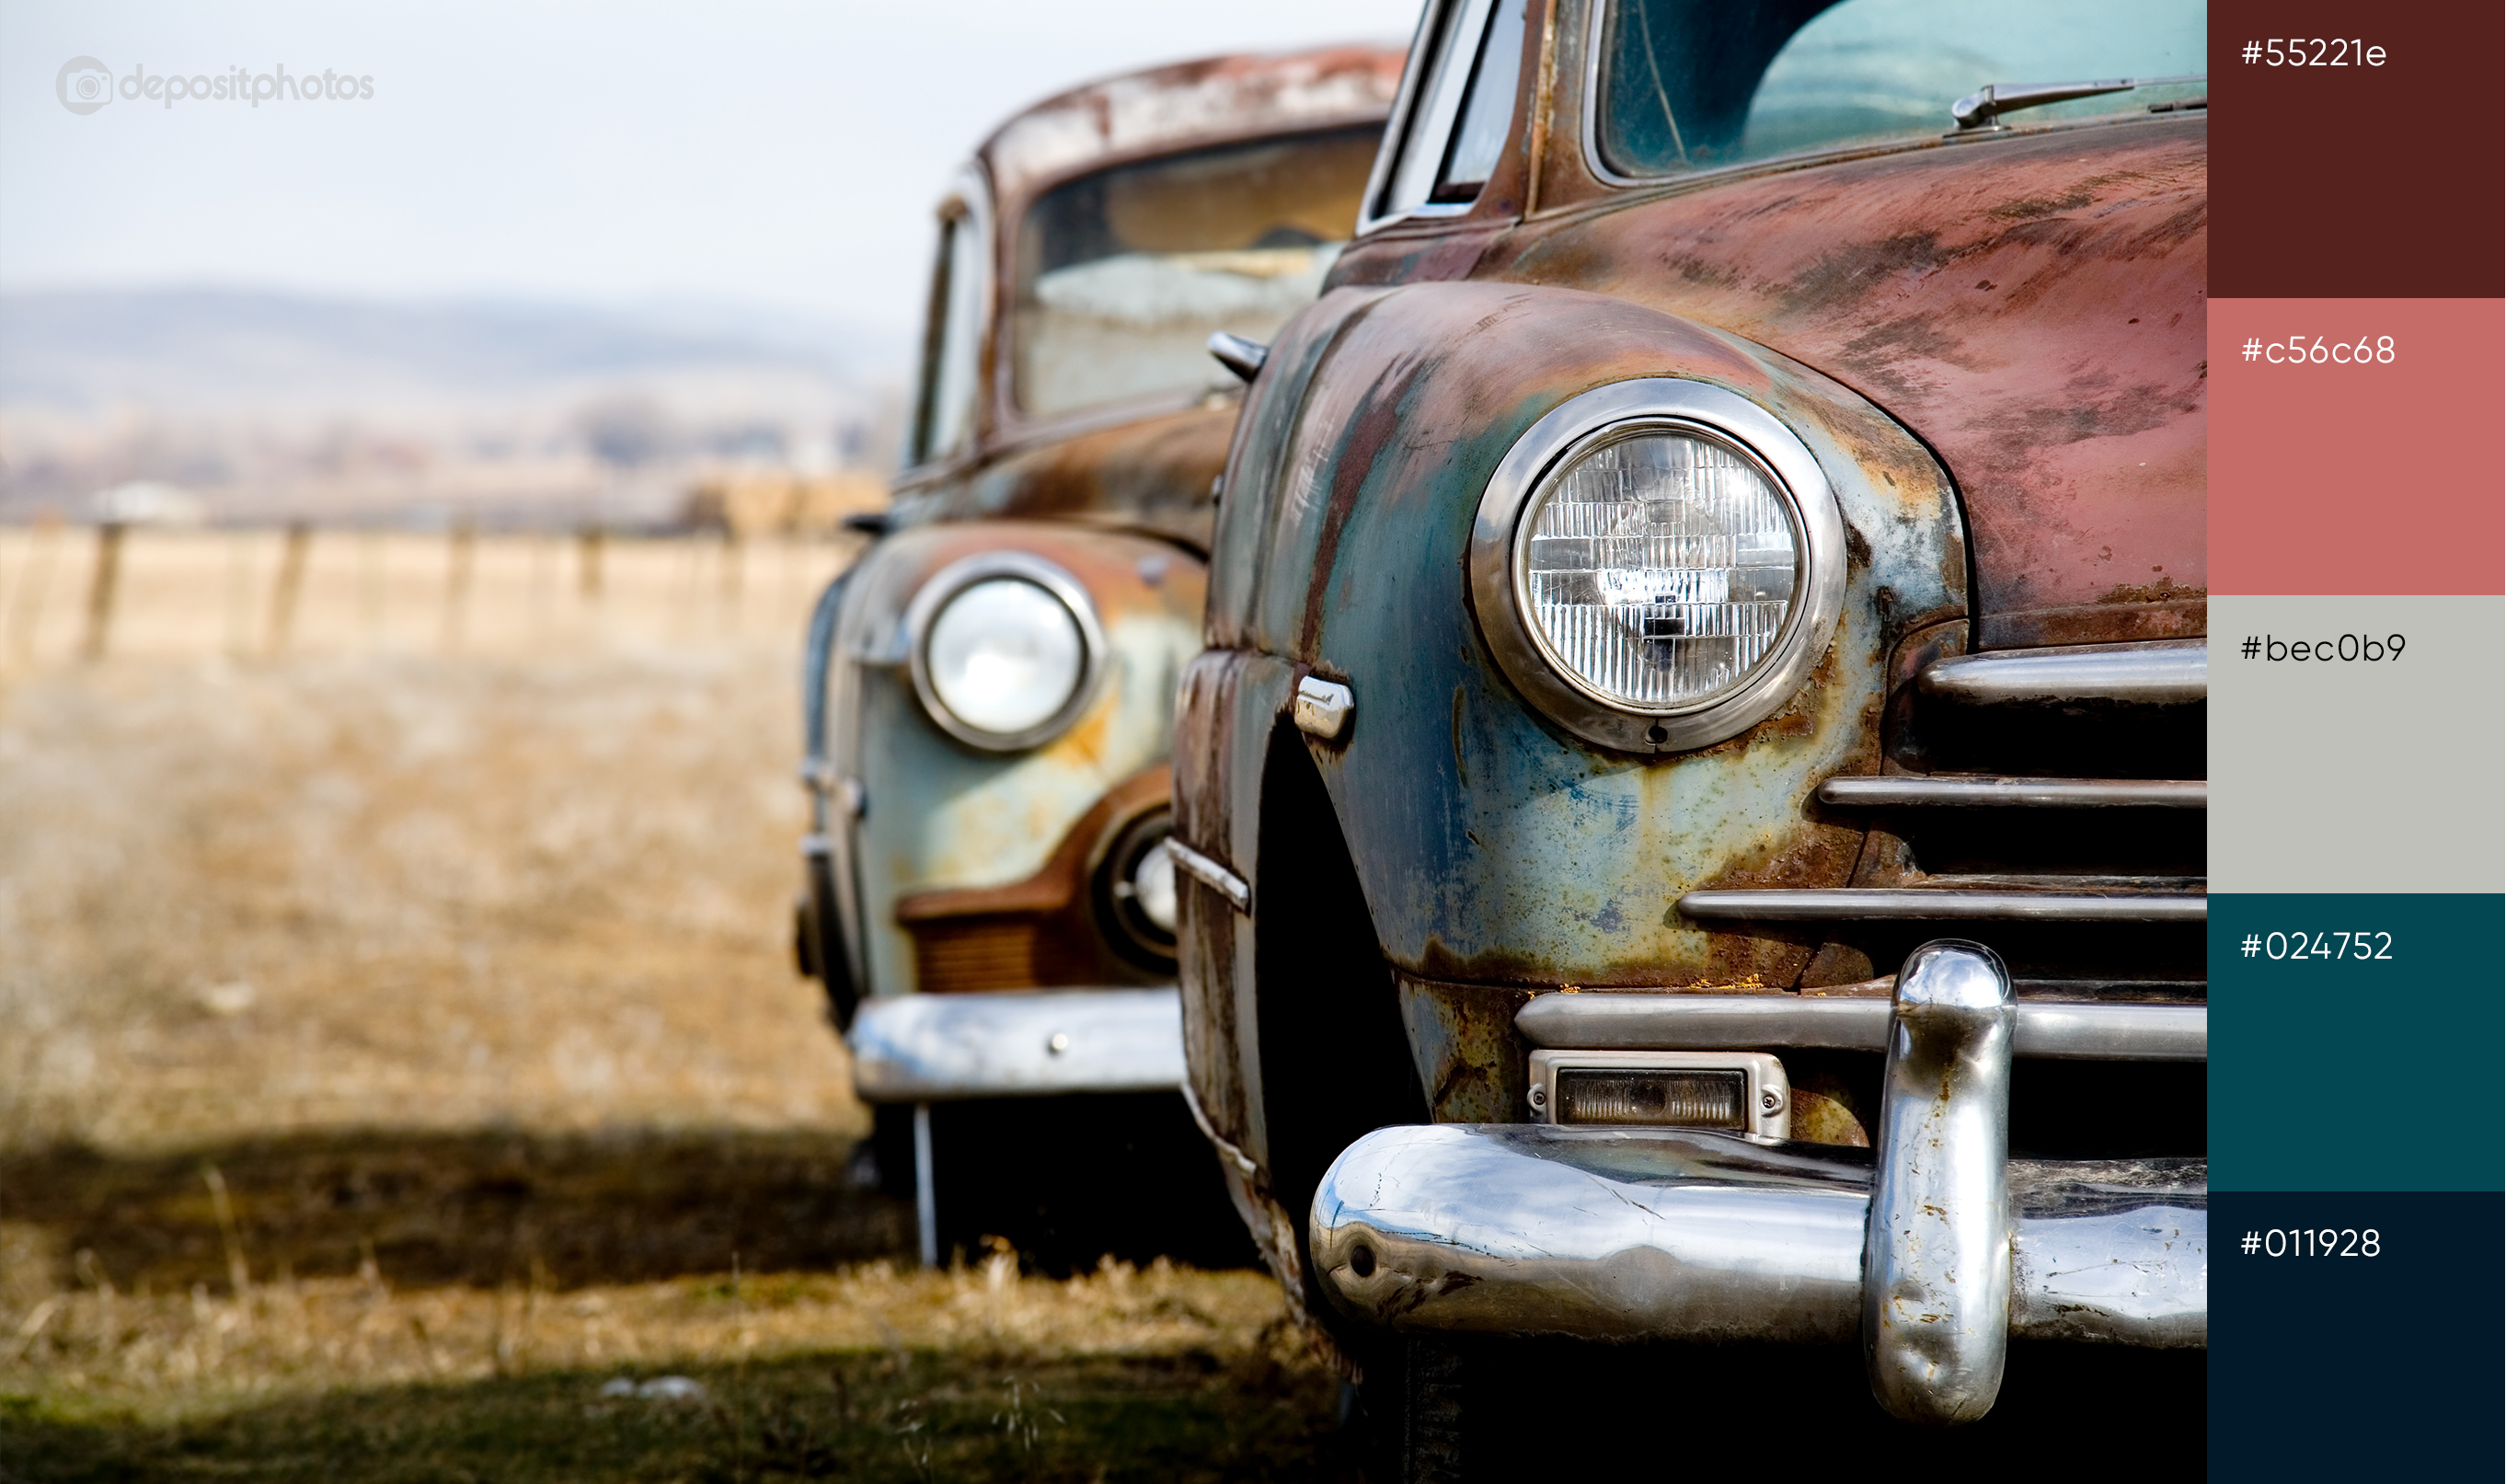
(1692, 84)
(1124, 274)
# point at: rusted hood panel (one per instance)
(1152, 475)
(2034, 309)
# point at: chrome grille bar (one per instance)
(1904, 791)
(1915, 904)
(2169, 672)
(1606, 1020)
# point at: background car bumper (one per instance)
(931, 1048)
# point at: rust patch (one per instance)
(1828, 1110)
(1472, 1065)
(2112, 623)
(2164, 590)
(1835, 965)
(1770, 954)
(2030, 210)
(1038, 932)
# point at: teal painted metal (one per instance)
(1493, 846)
(941, 816)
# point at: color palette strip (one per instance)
(2357, 745)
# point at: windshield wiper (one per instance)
(1983, 109)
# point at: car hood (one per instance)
(1150, 475)
(2031, 307)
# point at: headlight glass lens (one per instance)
(1660, 570)
(1004, 656)
(1153, 886)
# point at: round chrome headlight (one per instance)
(1136, 891)
(1657, 564)
(1004, 649)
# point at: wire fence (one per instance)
(72, 594)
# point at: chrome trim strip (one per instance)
(1637, 1234)
(1900, 791)
(1444, 75)
(1695, 410)
(929, 1048)
(1620, 1020)
(1225, 1147)
(2169, 672)
(1936, 1248)
(1396, 127)
(1590, 105)
(963, 573)
(1211, 873)
(1915, 904)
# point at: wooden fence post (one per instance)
(100, 590)
(456, 582)
(590, 574)
(291, 582)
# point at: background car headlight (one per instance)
(1004, 649)
(1135, 891)
(1657, 563)
(1660, 568)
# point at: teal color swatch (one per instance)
(2342, 1062)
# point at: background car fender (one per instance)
(938, 814)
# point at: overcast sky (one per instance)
(618, 152)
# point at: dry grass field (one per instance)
(400, 1057)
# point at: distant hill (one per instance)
(205, 348)
(260, 405)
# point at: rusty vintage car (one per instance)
(1693, 802)
(989, 690)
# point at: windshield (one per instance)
(1124, 274)
(1690, 85)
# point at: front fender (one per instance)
(1493, 845)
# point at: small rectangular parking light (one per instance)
(1688, 1100)
(1737, 1092)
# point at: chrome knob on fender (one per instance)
(1936, 1250)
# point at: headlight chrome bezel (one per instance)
(1499, 552)
(944, 586)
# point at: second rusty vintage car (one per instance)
(1693, 802)
(990, 688)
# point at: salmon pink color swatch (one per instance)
(2334, 476)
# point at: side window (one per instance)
(1461, 108)
(952, 343)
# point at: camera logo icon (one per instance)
(85, 85)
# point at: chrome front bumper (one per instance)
(932, 1048)
(1934, 1246)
